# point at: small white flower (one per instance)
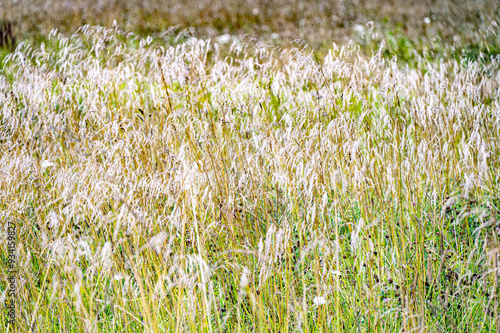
(319, 300)
(337, 273)
(255, 11)
(118, 276)
(427, 20)
(46, 164)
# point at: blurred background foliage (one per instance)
(465, 28)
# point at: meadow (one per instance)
(161, 181)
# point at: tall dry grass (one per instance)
(174, 189)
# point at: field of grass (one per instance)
(174, 183)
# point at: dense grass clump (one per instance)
(172, 188)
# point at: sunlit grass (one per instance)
(176, 189)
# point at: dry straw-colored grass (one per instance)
(320, 22)
(171, 189)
